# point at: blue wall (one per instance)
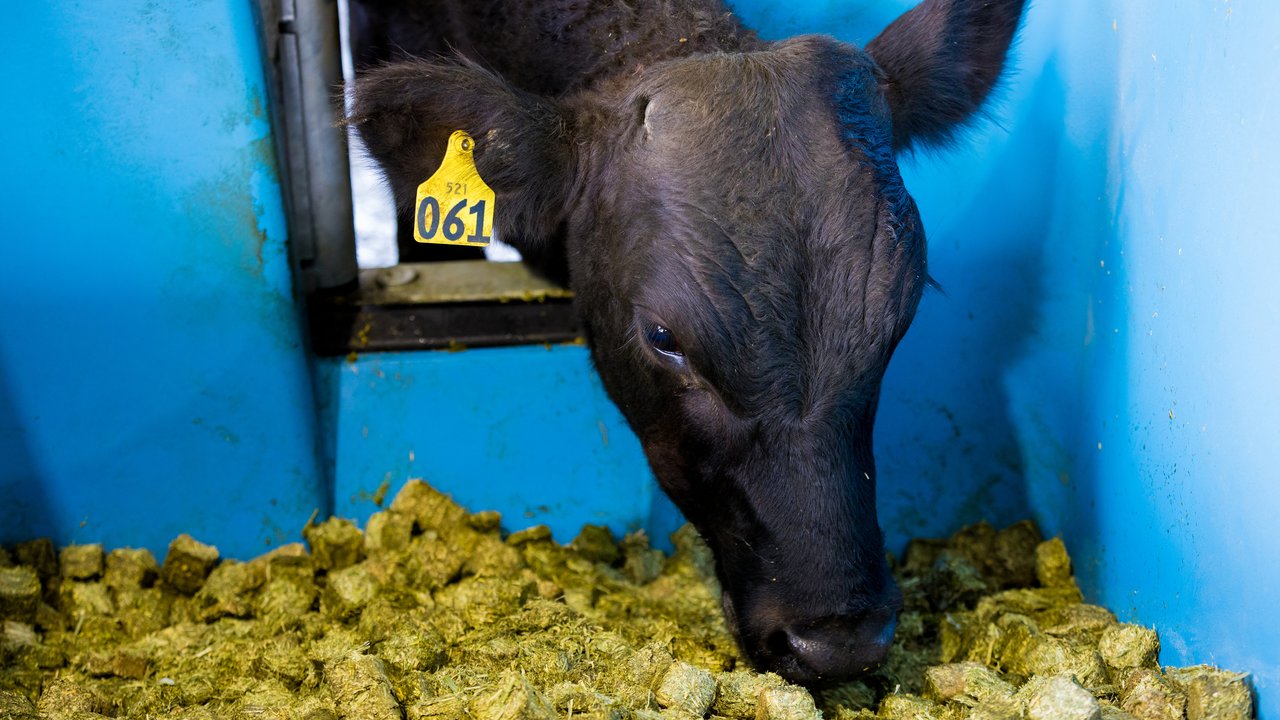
(1163, 255)
(152, 372)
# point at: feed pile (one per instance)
(431, 612)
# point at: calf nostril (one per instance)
(778, 643)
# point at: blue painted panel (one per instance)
(152, 375)
(526, 431)
(1178, 442)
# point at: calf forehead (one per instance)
(788, 245)
(782, 152)
(758, 123)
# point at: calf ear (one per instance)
(940, 60)
(406, 111)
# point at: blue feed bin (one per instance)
(1103, 355)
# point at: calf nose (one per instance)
(834, 648)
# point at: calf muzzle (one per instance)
(831, 648)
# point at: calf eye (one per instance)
(664, 341)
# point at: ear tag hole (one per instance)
(454, 206)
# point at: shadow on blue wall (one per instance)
(24, 512)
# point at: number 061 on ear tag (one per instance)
(454, 205)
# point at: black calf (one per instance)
(743, 253)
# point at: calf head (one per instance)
(744, 258)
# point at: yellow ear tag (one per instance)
(454, 205)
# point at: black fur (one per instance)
(745, 196)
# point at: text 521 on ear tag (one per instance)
(454, 205)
